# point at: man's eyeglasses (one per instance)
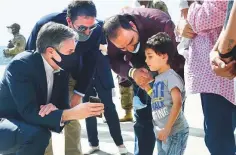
(83, 28)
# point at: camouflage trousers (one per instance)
(72, 132)
(126, 97)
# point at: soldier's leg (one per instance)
(126, 102)
(72, 138)
(49, 150)
(72, 131)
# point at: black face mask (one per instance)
(68, 62)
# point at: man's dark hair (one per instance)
(81, 8)
(161, 43)
(113, 23)
(52, 35)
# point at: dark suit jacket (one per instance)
(24, 88)
(89, 55)
(93, 57)
(103, 71)
(53, 17)
(148, 22)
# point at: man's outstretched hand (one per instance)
(82, 111)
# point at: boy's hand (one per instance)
(163, 134)
(146, 87)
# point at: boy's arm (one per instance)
(177, 103)
(148, 89)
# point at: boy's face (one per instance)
(155, 61)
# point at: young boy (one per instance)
(167, 95)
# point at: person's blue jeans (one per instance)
(218, 124)
(143, 127)
(20, 138)
(110, 114)
(174, 145)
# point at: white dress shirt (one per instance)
(50, 77)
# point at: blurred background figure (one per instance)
(126, 93)
(17, 44)
(155, 4)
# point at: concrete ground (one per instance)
(193, 112)
(195, 146)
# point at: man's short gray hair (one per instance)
(52, 35)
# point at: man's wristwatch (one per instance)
(229, 54)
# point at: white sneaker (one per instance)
(122, 150)
(92, 149)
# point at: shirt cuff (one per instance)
(131, 72)
(62, 123)
(81, 94)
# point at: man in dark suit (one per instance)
(127, 34)
(34, 94)
(81, 16)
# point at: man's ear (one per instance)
(165, 56)
(49, 50)
(69, 21)
(133, 25)
(53, 54)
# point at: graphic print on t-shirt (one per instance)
(158, 106)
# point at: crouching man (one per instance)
(34, 94)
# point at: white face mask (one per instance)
(137, 48)
(9, 30)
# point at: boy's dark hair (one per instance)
(161, 43)
(81, 8)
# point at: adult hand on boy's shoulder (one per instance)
(163, 134)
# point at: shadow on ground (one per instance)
(105, 153)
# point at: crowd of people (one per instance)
(68, 58)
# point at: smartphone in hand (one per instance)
(93, 99)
